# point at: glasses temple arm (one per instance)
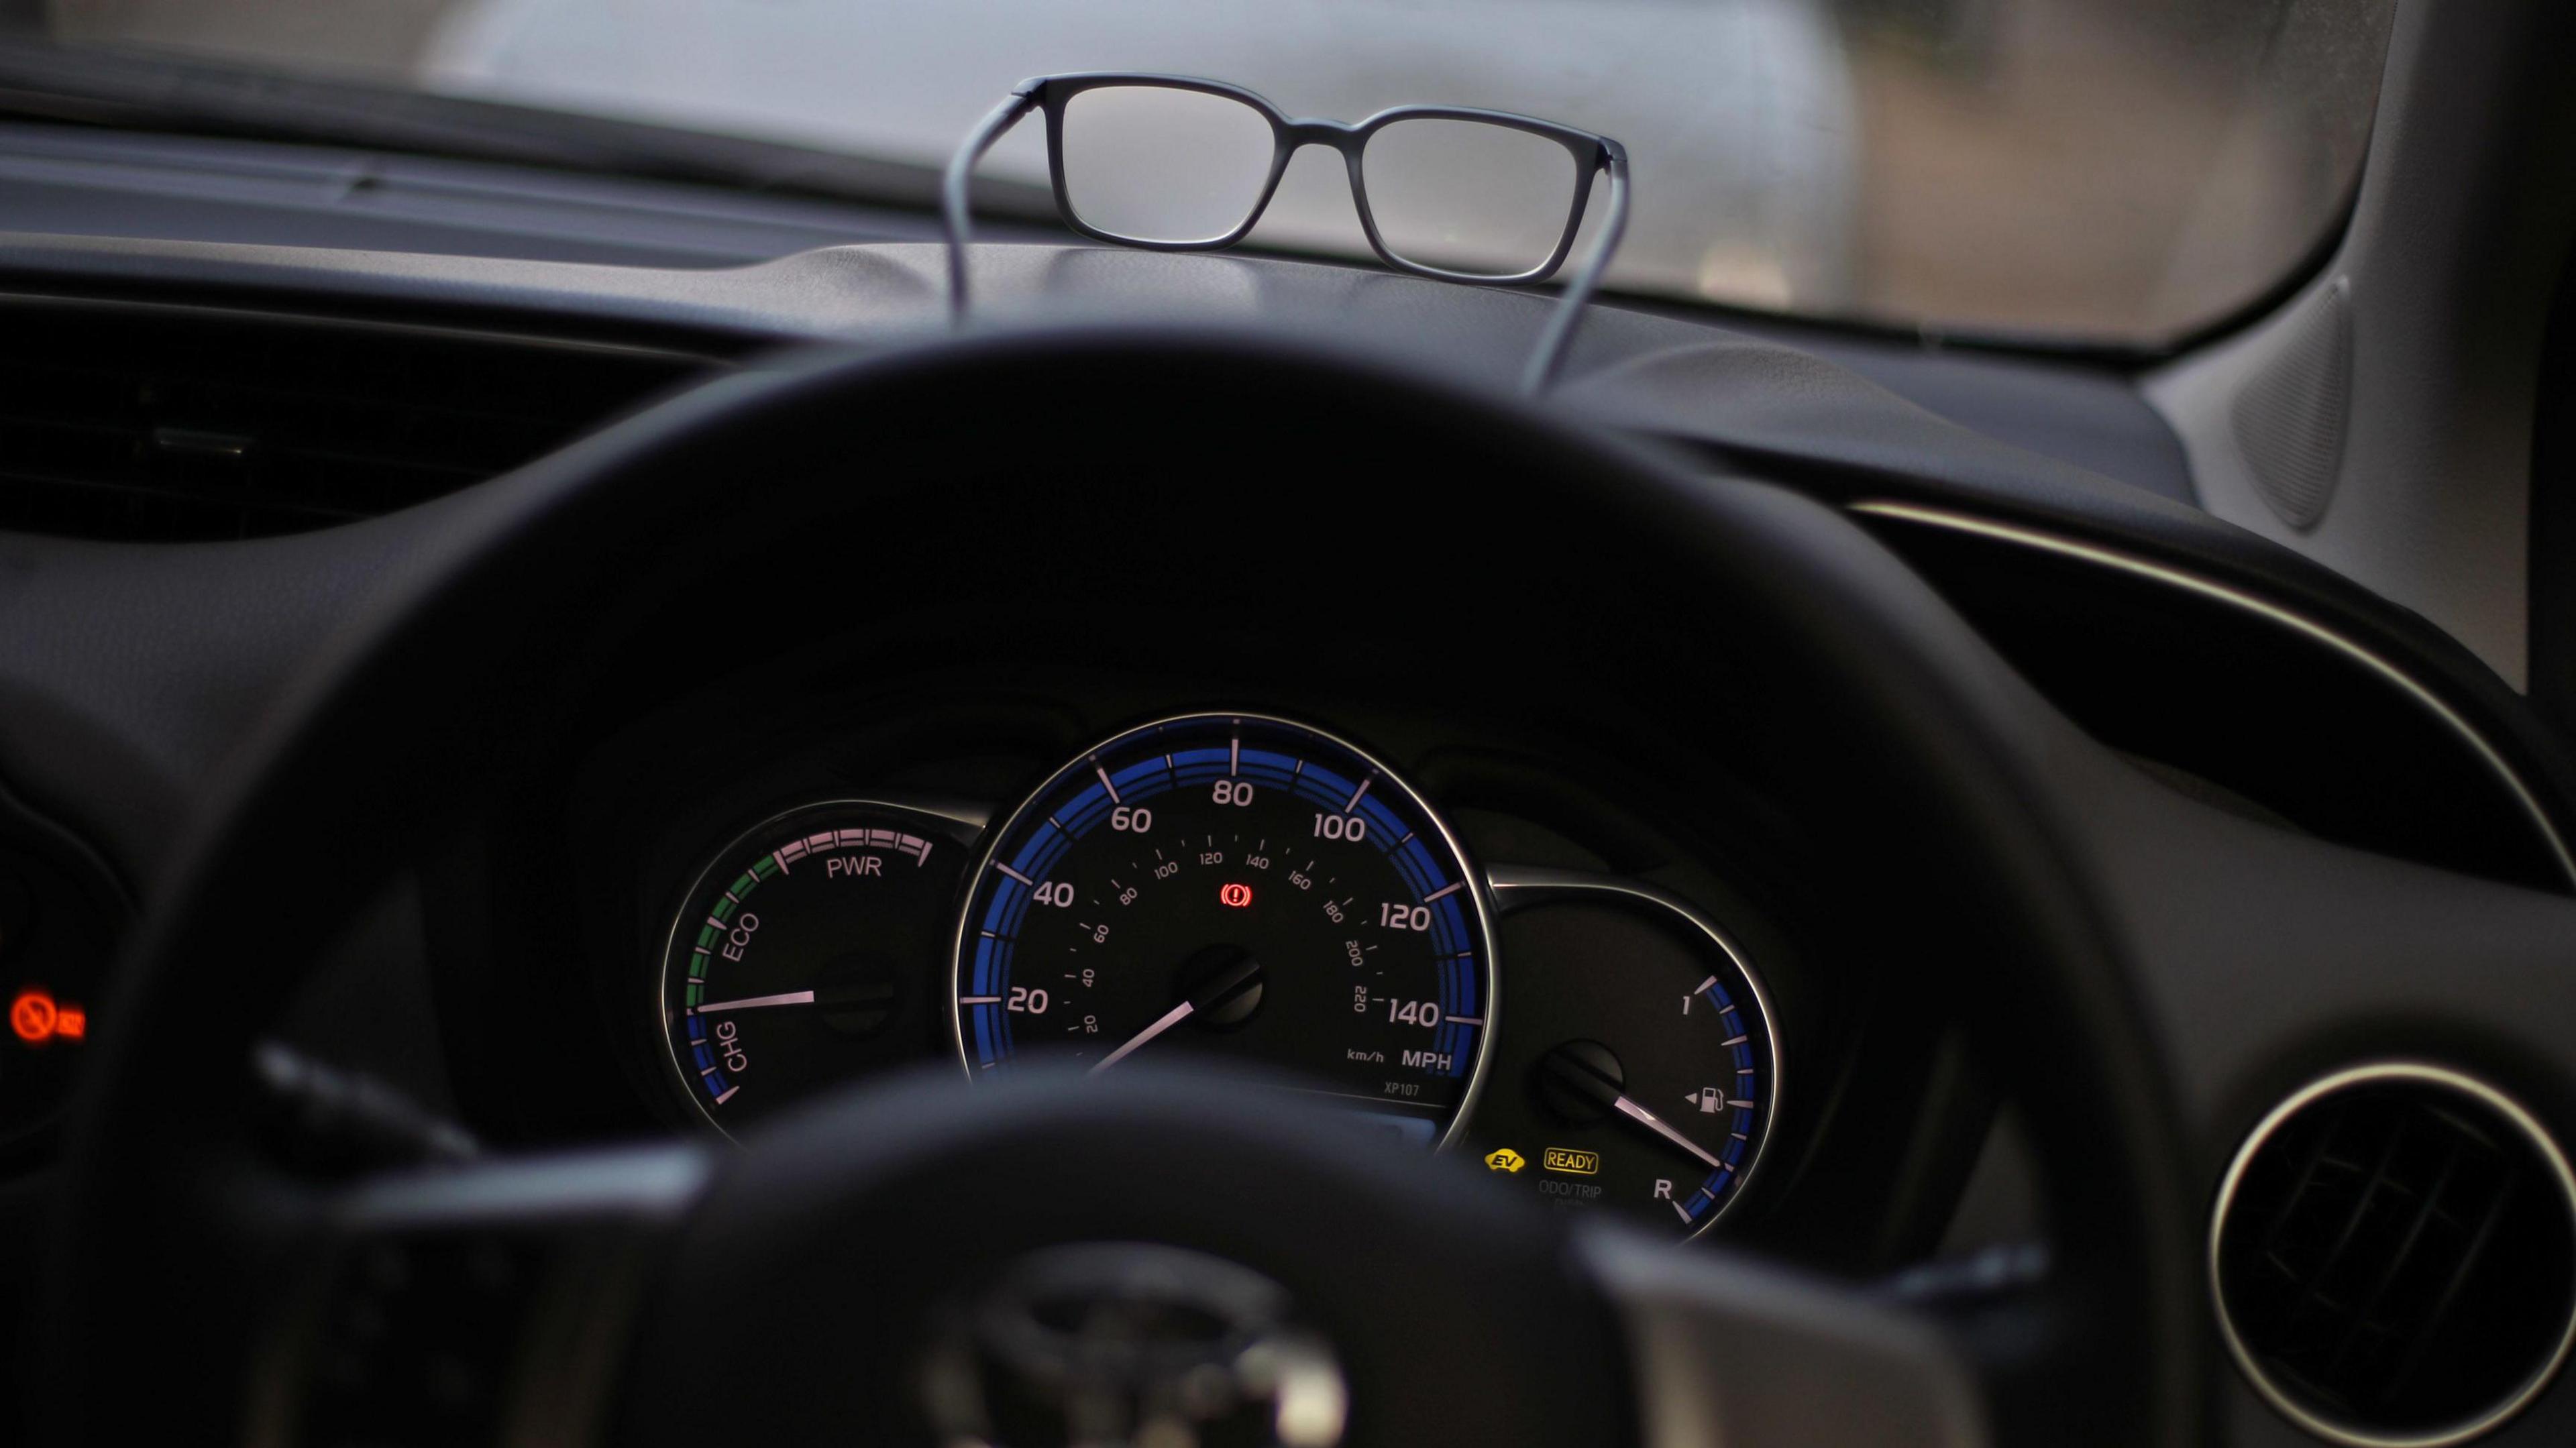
(954, 183)
(1549, 355)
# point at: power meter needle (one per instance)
(790, 998)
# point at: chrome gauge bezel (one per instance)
(958, 828)
(1471, 875)
(1516, 887)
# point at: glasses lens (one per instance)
(1149, 163)
(1465, 196)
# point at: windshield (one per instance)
(2099, 171)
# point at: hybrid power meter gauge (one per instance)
(798, 957)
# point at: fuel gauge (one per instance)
(1639, 1071)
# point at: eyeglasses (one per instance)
(1173, 163)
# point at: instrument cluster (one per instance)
(1243, 887)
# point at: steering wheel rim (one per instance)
(164, 1183)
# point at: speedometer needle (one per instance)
(1226, 990)
(1171, 1018)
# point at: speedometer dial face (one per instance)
(1236, 886)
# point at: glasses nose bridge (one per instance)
(1305, 131)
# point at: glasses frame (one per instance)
(1594, 155)
(1591, 155)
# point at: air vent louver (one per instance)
(2395, 1256)
(140, 421)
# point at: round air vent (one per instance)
(2394, 1256)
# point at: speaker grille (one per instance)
(2290, 417)
(2394, 1254)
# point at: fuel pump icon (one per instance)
(1708, 1099)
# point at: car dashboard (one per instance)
(561, 922)
(879, 812)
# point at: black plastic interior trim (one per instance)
(2521, 804)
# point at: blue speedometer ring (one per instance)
(1313, 890)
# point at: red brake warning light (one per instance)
(1236, 894)
(36, 1017)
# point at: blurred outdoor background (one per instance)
(2113, 170)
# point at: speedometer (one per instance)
(1238, 886)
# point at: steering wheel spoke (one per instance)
(1724, 1349)
(479, 1303)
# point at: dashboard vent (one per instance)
(152, 422)
(2394, 1254)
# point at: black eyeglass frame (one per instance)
(1594, 156)
(1591, 155)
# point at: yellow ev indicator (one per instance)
(1574, 1163)
(1503, 1158)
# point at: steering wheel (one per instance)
(808, 1286)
